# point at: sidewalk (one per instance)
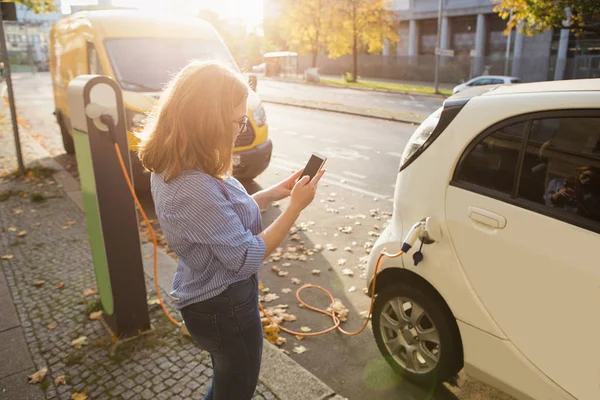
(45, 268)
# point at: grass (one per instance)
(37, 197)
(7, 195)
(399, 87)
(93, 306)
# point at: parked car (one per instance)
(101, 42)
(486, 80)
(510, 288)
(260, 68)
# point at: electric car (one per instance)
(502, 186)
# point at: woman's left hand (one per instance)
(283, 189)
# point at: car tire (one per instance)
(67, 139)
(436, 315)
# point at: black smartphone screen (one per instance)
(313, 166)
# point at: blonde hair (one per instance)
(191, 127)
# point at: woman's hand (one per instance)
(303, 192)
(278, 192)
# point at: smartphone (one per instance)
(314, 165)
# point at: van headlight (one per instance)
(135, 120)
(259, 116)
(419, 138)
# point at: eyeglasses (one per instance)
(242, 124)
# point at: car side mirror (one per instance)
(253, 82)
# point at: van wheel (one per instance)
(417, 333)
(67, 139)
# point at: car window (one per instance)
(492, 161)
(561, 168)
(480, 82)
(515, 80)
(497, 81)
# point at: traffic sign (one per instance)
(444, 52)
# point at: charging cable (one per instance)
(418, 231)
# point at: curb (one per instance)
(346, 112)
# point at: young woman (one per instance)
(212, 223)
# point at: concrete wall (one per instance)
(536, 57)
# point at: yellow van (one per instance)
(142, 52)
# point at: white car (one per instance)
(507, 179)
(486, 80)
(260, 68)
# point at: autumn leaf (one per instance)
(60, 285)
(12, 229)
(17, 211)
(80, 341)
(341, 262)
(289, 318)
(38, 376)
(316, 272)
(60, 380)
(270, 297)
(275, 268)
(305, 329)
(296, 281)
(96, 315)
(348, 249)
(89, 292)
(300, 349)
(52, 325)
(154, 301)
(7, 257)
(282, 273)
(79, 396)
(300, 337)
(22, 234)
(331, 247)
(286, 290)
(352, 289)
(39, 283)
(348, 272)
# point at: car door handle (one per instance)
(486, 217)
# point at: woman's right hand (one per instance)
(304, 192)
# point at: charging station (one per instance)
(112, 222)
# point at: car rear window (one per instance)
(515, 80)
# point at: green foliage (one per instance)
(38, 6)
(533, 16)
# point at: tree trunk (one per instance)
(355, 59)
(315, 51)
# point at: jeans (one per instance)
(228, 327)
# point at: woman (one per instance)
(211, 222)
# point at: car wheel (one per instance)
(417, 333)
(67, 139)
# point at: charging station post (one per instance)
(110, 210)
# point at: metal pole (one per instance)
(507, 56)
(437, 47)
(11, 99)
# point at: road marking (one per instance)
(354, 174)
(344, 154)
(391, 101)
(309, 137)
(361, 147)
(342, 185)
(391, 153)
(291, 133)
(410, 97)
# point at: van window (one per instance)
(492, 161)
(94, 66)
(156, 60)
(561, 168)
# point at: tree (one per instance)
(304, 25)
(360, 24)
(532, 16)
(38, 6)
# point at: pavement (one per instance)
(363, 156)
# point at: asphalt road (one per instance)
(363, 158)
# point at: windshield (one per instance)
(147, 64)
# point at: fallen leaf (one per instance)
(22, 234)
(289, 318)
(275, 204)
(331, 247)
(345, 229)
(52, 326)
(7, 257)
(153, 301)
(348, 272)
(280, 341)
(79, 396)
(318, 247)
(80, 341)
(348, 249)
(339, 309)
(89, 292)
(295, 238)
(341, 262)
(368, 245)
(96, 315)
(300, 349)
(60, 285)
(17, 211)
(374, 234)
(302, 257)
(261, 286)
(364, 314)
(275, 268)
(102, 342)
(60, 380)
(296, 281)
(282, 273)
(305, 329)
(299, 337)
(39, 283)
(286, 290)
(316, 272)
(270, 297)
(38, 376)
(352, 289)
(12, 229)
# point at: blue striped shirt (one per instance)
(213, 228)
